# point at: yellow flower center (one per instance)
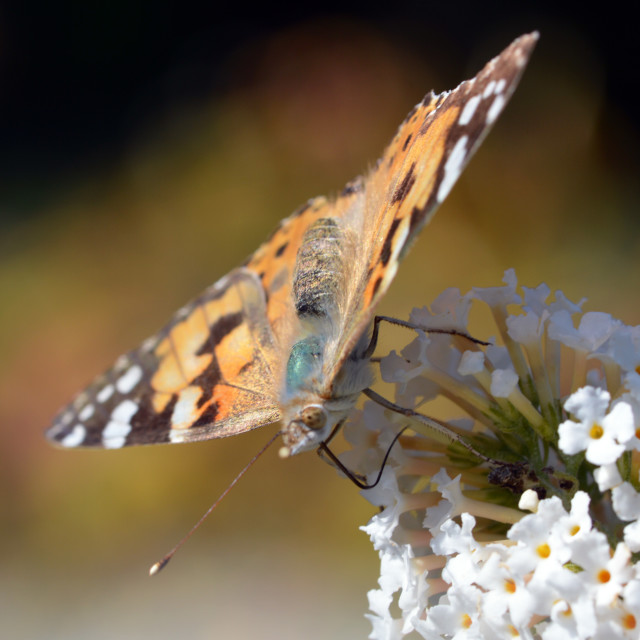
(544, 551)
(466, 621)
(596, 432)
(604, 576)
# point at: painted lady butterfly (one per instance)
(285, 336)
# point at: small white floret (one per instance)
(529, 501)
(472, 362)
(503, 382)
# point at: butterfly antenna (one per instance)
(161, 564)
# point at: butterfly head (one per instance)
(308, 427)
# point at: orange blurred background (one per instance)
(100, 242)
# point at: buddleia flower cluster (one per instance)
(520, 519)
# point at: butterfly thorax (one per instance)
(311, 409)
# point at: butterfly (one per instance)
(285, 337)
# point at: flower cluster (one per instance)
(521, 519)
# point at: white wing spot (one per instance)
(105, 393)
(495, 108)
(453, 168)
(183, 312)
(66, 418)
(178, 436)
(468, 111)
(129, 379)
(220, 285)
(74, 437)
(488, 90)
(86, 413)
(149, 344)
(118, 428)
(500, 86)
(186, 411)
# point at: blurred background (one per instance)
(147, 149)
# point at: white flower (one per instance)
(602, 435)
(500, 296)
(602, 574)
(503, 382)
(487, 528)
(593, 331)
(607, 476)
(538, 543)
(449, 310)
(507, 593)
(571, 620)
(576, 524)
(458, 542)
(457, 617)
(381, 527)
(626, 504)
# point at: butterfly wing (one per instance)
(414, 175)
(207, 374)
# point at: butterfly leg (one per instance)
(329, 457)
(439, 430)
(333, 433)
(416, 327)
(356, 478)
(508, 474)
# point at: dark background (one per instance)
(148, 148)
(80, 81)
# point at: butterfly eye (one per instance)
(314, 417)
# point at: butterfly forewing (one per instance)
(416, 172)
(218, 368)
(205, 375)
